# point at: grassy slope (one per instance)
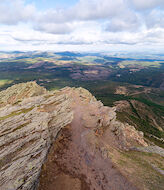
(142, 119)
(140, 166)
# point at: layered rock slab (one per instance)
(26, 133)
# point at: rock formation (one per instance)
(31, 119)
(27, 129)
(20, 91)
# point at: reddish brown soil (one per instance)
(73, 164)
(55, 173)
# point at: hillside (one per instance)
(66, 139)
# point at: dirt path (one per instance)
(73, 164)
(146, 90)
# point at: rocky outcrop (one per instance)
(127, 135)
(27, 130)
(31, 118)
(18, 92)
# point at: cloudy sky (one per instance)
(86, 25)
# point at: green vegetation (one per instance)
(158, 109)
(16, 113)
(21, 126)
(140, 64)
(139, 164)
(144, 126)
(5, 82)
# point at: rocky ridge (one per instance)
(19, 92)
(31, 118)
(27, 130)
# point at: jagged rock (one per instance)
(20, 91)
(128, 135)
(26, 133)
(30, 119)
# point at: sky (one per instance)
(82, 25)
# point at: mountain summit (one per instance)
(66, 139)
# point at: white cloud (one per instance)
(89, 23)
(147, 4)
(129, 22)
(85, 10)
(14, 11)
(155, 19)
(96, 9)
(62, 28)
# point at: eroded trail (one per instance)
(76, 163)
